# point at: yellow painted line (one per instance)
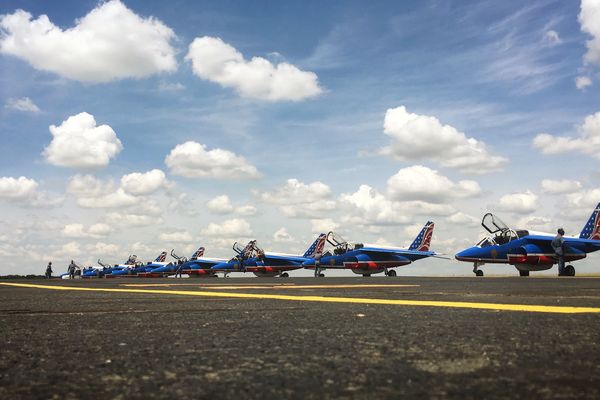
(324, 299)
(270, 286)
(203, 284)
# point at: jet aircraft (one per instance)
(366, 260)
(132, 266)
(252, 258)
(181, 266)
(528, 250)
(97, 272)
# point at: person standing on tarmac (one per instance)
(558, 244)
(72, 268)
(49, 270)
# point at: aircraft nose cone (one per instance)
(466, 254)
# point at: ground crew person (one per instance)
(72, 268)
(49, 270)
(558, 244)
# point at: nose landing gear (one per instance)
(476, 269)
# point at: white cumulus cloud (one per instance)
(88, 186)
(424, 184)
(589, 19)
(368, 206)
(417, 137)
(24, 104)
(462, 219)
(552, 38)
(138, 183)
(323, 225)
(534, 223)
(176, 237)
(80, 231)
(79, 143)
(298, 199)
(214, 60)
(117, 199)
(111, 42)
(126, 220)
(220, 205)
(581, 82)
(282, 236)
(231, 228)
(193, 160)
(519, 203)
(581, 203)
(588, 142)
(560, 186)
(20, 188)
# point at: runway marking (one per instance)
(325, 299)
(265, 286)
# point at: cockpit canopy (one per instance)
(500, 232)
(340, 245)
(493, 224)
(248, 251)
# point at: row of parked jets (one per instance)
(524, 249)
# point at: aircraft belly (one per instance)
(372, 267)
(360, 271)
(266, 274)
(531, 267)
(544, 259)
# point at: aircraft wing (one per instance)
(200, 263)
(271, 259)
(373, 252)
(585, 245)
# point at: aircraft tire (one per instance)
(285, 275)
(321, 275)
(523, 273)
(479, 273)
(391, 273)
(569, 270)
(366, 275)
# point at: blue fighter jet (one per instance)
(366, 260)
(527, 250)
(252, 258)
(181, 266)
(132, 266)
(97, 272)
(269, 264)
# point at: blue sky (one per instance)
(451, 94)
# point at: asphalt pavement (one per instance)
(301, 338)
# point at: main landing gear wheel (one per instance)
(523, 273)
(479, 273)
(285, 275)
(366, 275)
(391, 273)
(569, 270)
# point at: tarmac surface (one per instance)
(301, 338)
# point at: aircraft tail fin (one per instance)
(199, 253)
(591, 230)
(423, 239)
(316, 249)
(161, 257)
